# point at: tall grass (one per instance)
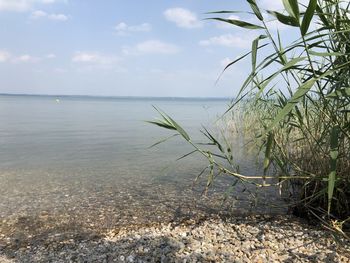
(295, 107)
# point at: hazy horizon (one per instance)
(115, 96)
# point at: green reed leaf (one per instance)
(212, 138)
(322, 16)
(325, 54)
(182, 132)
(227, 12)
(200, 174)
(292, 8)
(333, 164)
(255, 9)
(163, 140)
(235, 61)
(171, 124)
(308, 17)
(287, 20)
(162, 124)
(281, 52)
(268, 150)
(187, 154)
(255, 50)
(298, 95)
(345, 93)
(239, 23)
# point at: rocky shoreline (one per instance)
(242, 239)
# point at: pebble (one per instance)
(278, 239)
(130, 258)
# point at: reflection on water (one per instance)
(88, 159)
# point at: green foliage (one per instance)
(308, 16)
(239, 23)
(299, 113)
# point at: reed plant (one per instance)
(294, 106)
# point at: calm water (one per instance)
(90, 155)
(37, 133)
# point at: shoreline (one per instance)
(258, 238)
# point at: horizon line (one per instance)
(113, 96)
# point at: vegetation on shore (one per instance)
(295, 106)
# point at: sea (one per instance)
(88, 160)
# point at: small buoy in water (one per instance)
(57, 100)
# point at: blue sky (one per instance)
(120, 48)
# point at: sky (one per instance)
(121, 48)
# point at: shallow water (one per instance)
(88, 159)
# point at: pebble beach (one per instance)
(242, 239)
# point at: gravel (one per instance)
(215, 239)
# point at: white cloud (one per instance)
(14, 5)
(50, 56)
(48, 1)
(93, 58)
(228, 40)
(23, 5)
(4, 56)
(122, 28)
(182, 17)
(156, 47)
(58, 17)
(41, 14)
(38, 14)
(25, 59)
